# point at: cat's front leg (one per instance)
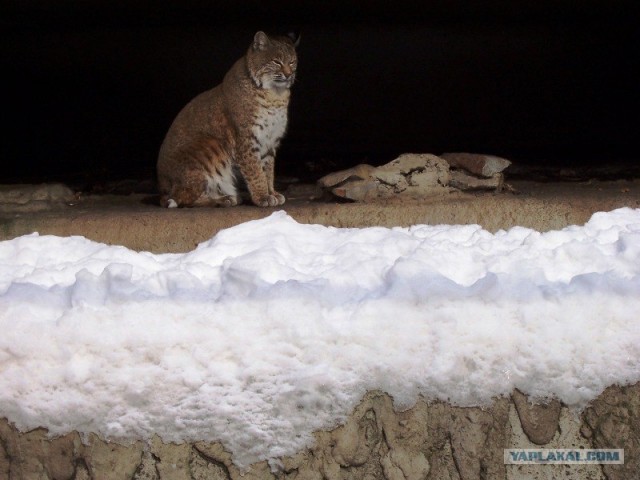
(250, 166)
(268, 167)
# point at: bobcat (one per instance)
(237, 125)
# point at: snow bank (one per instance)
(273, 329)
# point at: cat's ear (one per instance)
(260, 41)
(295, 38)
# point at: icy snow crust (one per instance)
(273, 329)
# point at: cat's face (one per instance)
(272, 61)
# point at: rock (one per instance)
(359, 172)
(174, 458)
(429, 178)
(478, 439)
(82, 471)
(539, 421)
(148, 468)
(355, 442)
(400, 464)
(353, 183)
(392, 178)
(360, 190)
(408, 163)
(34, 455)
(477, 164)
(5, 461)
(204, 467)
(613, 420)
(33, 198)
(464, 181)
(423, 171)
(416, 175)
(110, 459)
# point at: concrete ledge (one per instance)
(137, 223)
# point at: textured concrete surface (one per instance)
(135, 221)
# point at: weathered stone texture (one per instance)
(613, 421)
(418, 175)
(539, 421)
(34, 198)
(413, 175)
(477, 164)
(431, 441)
(464, 181)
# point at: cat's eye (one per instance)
(281, 64)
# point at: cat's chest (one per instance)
(269, 127)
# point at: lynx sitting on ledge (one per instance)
(239, 123)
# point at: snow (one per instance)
(273, 329)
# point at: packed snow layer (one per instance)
(273, 329)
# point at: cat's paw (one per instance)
(228, 201)
(279, 197)
(269, 200)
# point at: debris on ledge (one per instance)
(34, 198)
(480, 165)
(418, 175)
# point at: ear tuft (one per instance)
(295, 38)
(260, 41)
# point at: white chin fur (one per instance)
(172, 203)
(272, 84)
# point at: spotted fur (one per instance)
(237, 125)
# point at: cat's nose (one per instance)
(286, 71)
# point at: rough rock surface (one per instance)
(431, 441)
(33, 198)
(414, 175)
(539, 421)
(417, 175)
(464, 181)
(359, 172)
(613, 421)
(477, 164)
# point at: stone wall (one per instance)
(431, 441)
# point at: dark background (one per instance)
(90, 87)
